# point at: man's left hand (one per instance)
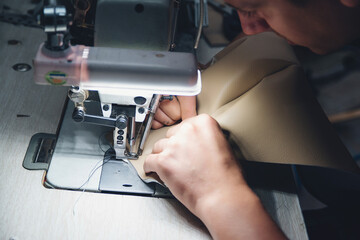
(170, 112)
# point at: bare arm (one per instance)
(197, 164)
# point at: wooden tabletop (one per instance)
(28, 210)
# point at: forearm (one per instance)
(237, 215)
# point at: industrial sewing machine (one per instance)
(119, 60)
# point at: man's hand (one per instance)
(193, 160)
(197, 164)
(169, 112)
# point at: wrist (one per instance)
(224, 199)
(237, 214)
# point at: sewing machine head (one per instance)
(127, 70)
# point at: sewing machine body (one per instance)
(115, 87)
(127, 83)
(119, 91)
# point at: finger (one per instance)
(154, 163)
(156, 124)
(173, 130)
(171, 108)
(160, 145)
(150, 163)
(190, 124)
(152, 167)
(187, 106)
(163, 118)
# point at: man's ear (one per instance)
(350, 3)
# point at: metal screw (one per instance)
(75, 88)
(106, 107)
(141, 110)
(78, 114)
(122, 122)
(21, 67)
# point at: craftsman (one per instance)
(195, 160)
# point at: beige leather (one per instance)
(257, 91)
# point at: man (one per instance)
(196, 162)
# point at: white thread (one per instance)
(95, 168)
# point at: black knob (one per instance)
(141, 110)
(140, 100)
(78, 115)
(170, 98)
(106, 107)
(121, 122)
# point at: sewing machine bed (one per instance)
(79, 161)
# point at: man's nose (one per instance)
(252, 24)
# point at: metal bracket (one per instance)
(121, 177)
(117, 176)
(39, 152)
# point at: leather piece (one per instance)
(257, 91)
(154, 136)
(241, 66)
(280, 121)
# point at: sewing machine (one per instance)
(115, 88)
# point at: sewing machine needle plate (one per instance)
(120, 176)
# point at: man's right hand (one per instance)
(194, 160)
(197, 164)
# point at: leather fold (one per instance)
(258, 92)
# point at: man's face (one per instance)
(320, 25)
